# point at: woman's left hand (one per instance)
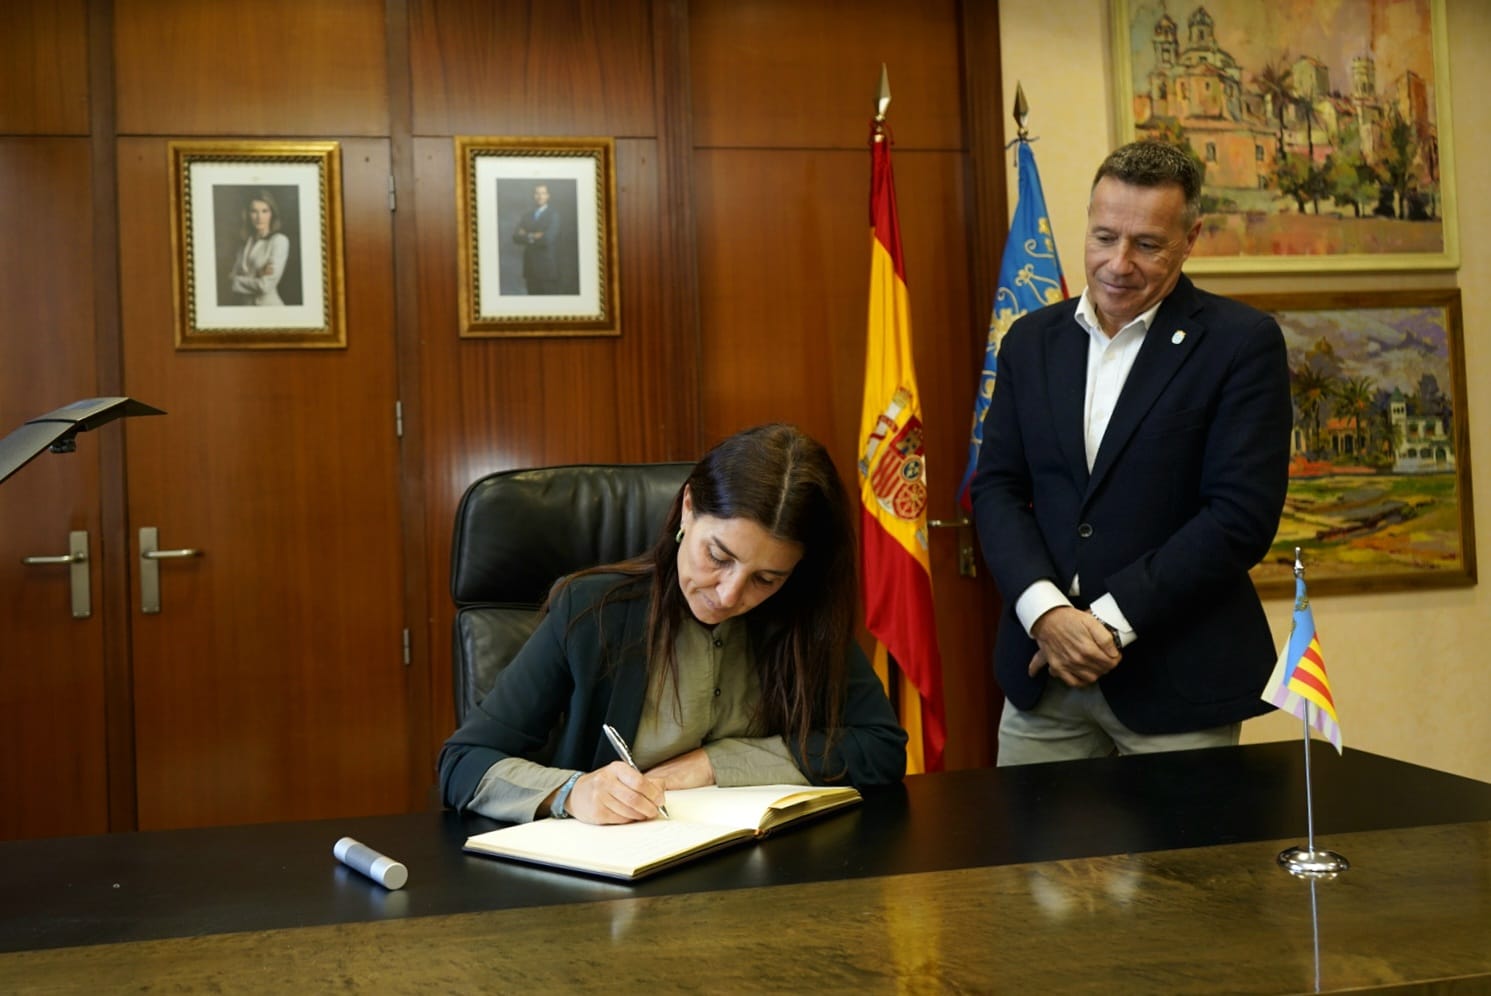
(685, 771)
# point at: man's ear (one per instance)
(1192, 235)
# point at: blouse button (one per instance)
(716, 693)
(718, 642)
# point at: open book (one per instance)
(703, 820)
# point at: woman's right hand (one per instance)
(617, 793)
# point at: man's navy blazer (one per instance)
(1183, 499)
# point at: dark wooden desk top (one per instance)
(1412, 915)
(69, 892)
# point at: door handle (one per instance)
(967, 566)
(170, 554)
(150, 557)
(77, 559)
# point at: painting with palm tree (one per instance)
(1321, 126)
(1379, 481)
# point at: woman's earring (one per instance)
(679, 538)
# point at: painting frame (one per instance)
(1384, 142)
(237, 285)
(514, 192)
(1367, 502)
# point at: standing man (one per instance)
(535, 233)
(1133, 470)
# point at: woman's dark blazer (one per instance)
(564, 676)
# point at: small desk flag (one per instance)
(1299, 684)
(893, 484)
(1029, 278)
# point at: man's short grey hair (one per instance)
(1156, 164)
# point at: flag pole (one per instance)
(1307, 862)
(1315, 931)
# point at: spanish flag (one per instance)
(893, 484)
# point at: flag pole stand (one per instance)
(1309, 861)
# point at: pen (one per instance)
(626, 755)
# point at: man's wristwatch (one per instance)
(556, 809)
(1112, 630)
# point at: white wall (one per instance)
(1409, 669)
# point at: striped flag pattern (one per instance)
(1299, 684)
(893, 484)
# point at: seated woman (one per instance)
(725, 655)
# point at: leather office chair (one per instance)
(519, 531)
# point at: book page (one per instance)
(621, 850)
(742, 807)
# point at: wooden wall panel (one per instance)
(783, 338)
(44, 68)
(783, 248)
(986, 111)
(53, 758)
(720, 96)
(517, 67)
(498, 402)
(494, 404)
(532, 67)
(787, 74)
(276, 67)
(781, 174)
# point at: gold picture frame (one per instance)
(1323, 127)
(256, 245)
(1380, 484)
(537, 236)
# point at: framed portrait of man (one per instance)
(537, 236)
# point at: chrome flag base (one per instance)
(1304, 863)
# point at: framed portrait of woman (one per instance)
(256, 240)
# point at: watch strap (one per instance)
(557, 808)
(1112, 630)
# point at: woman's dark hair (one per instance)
(783, 480)
(274, 212)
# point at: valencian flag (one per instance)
(893, 484)
(1298, 684)
(1029, 278)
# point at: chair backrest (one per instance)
(519, 531)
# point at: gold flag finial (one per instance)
(1022, 111)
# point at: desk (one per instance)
(1152, 873)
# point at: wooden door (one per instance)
(53, 763)
(271, 685)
